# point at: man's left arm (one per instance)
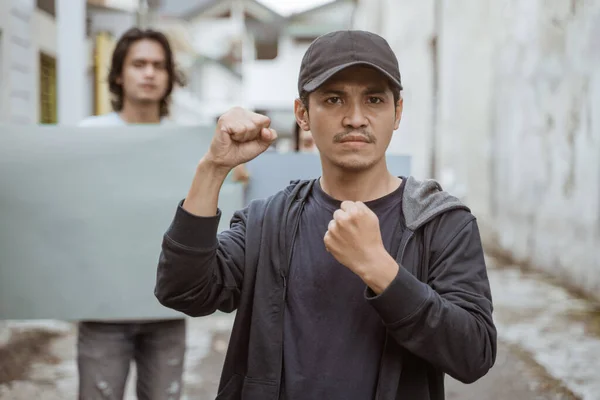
(448, 321)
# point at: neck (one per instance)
(361, 185)
(140, 113)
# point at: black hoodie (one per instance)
(437, 311)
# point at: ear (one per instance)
(301, 115)
(398, 116)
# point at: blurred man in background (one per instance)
(141, 79)
(303, 140)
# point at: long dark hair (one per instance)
(118, 59)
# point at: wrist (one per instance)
(209, 167)
(380, 272)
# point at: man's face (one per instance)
(352, 117)
(144, 77)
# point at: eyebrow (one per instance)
(147, 60)
(368, 91)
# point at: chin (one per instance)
(354, 164)
(149, 98)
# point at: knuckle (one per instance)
(222, 120)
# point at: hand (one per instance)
(241, 136)
(354, 237)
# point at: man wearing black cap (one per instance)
(356, 285)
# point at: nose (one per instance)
(149, 70)
(355, 117)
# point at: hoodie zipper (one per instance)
(400, 255)
(284, 279)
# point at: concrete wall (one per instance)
(17, 62)
(549, 161)
(517, 127)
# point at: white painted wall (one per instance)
(212, 36)
(3, 58)
(71, 61)
(17, 67)
(219, 84)
(115, 22)
(337, 14)
(546, 138)
(215, 89)
(518, 131)
(44, 32)
(273, 84)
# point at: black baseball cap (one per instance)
(330, 53)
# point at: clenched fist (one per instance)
(241, 135)
(353, 237)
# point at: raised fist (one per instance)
(241, 135)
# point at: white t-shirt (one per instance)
(111, 119)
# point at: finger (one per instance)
(349, 207)
(327, 241)
(252, 131)
(340, 215)
(236, 130)
(254, 147)
(332, 225)
(261, 121)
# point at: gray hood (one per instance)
(424, 200)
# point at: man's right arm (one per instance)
(199, 273)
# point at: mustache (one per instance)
(339, 137)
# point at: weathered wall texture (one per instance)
(17, 61)
(518, 126)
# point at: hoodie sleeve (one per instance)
(447, 322)
(199, 271)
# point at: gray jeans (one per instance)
(105, 352)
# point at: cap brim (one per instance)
(321, 79)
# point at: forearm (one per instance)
(455, 332)
(197, 272)
(187, 261)
(203, 197)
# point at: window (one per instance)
(304, 40)
(47, 6)
(47, 89)
(266, 49)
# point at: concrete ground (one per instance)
(549, 348)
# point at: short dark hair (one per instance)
(395, 91)
(122, 47)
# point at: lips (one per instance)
(355, 138)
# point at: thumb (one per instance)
(268, 135)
